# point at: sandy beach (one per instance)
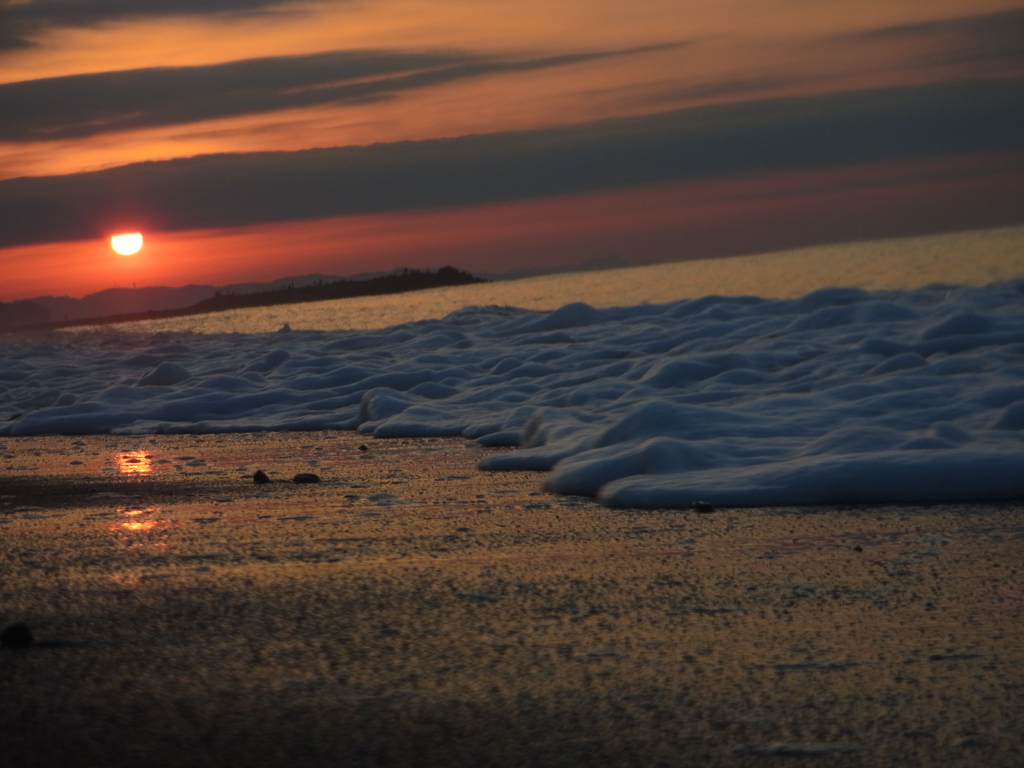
(412, 610)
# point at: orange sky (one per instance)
(652, 223)
(712, 52)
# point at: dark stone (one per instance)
(16, 636)
(260, 477)
(858, 548)
(363, 447)
(702, 506)
(306, 477)
(975, 740)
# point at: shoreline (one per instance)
(411, 609)
(969, 257)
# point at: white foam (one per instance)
(841, 396)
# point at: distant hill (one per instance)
(399, 281)
(59, 310)
(122, 301)
(35, 314)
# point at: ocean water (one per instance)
(962, 258)
(839, 395)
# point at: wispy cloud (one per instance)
(981, 38)
(668, 92)
(79, 106)
(21, 22)
(748, 87)
(750, 137)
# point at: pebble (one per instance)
(363, 447)
(306, 477)
(16, 636)
(975, 740)
(702, 506)
(260, 477)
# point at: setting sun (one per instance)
(127, 244)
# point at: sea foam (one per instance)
(841, 396)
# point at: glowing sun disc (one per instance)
(127, 244)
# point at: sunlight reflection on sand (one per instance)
(134, 462)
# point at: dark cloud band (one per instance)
(79, 106)
(753, 137)
(22, 22)
(989, 37)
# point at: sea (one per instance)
(961, 258)
(881, 372)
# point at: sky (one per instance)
(255, 139)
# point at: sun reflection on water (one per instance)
(143, 530)
(140, 525)
(134, 462)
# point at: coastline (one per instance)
(411, 609)
(973, 257)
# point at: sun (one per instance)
(127, 244)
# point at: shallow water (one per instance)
(967, 258)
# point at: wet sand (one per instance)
(410, 610)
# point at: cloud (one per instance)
(752, 137)
(735, 87)
(986, 37)
(78, 106)
(21, 22)
(661, 93)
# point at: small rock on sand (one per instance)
(16, 636)
(306, 477)
(260, 477)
